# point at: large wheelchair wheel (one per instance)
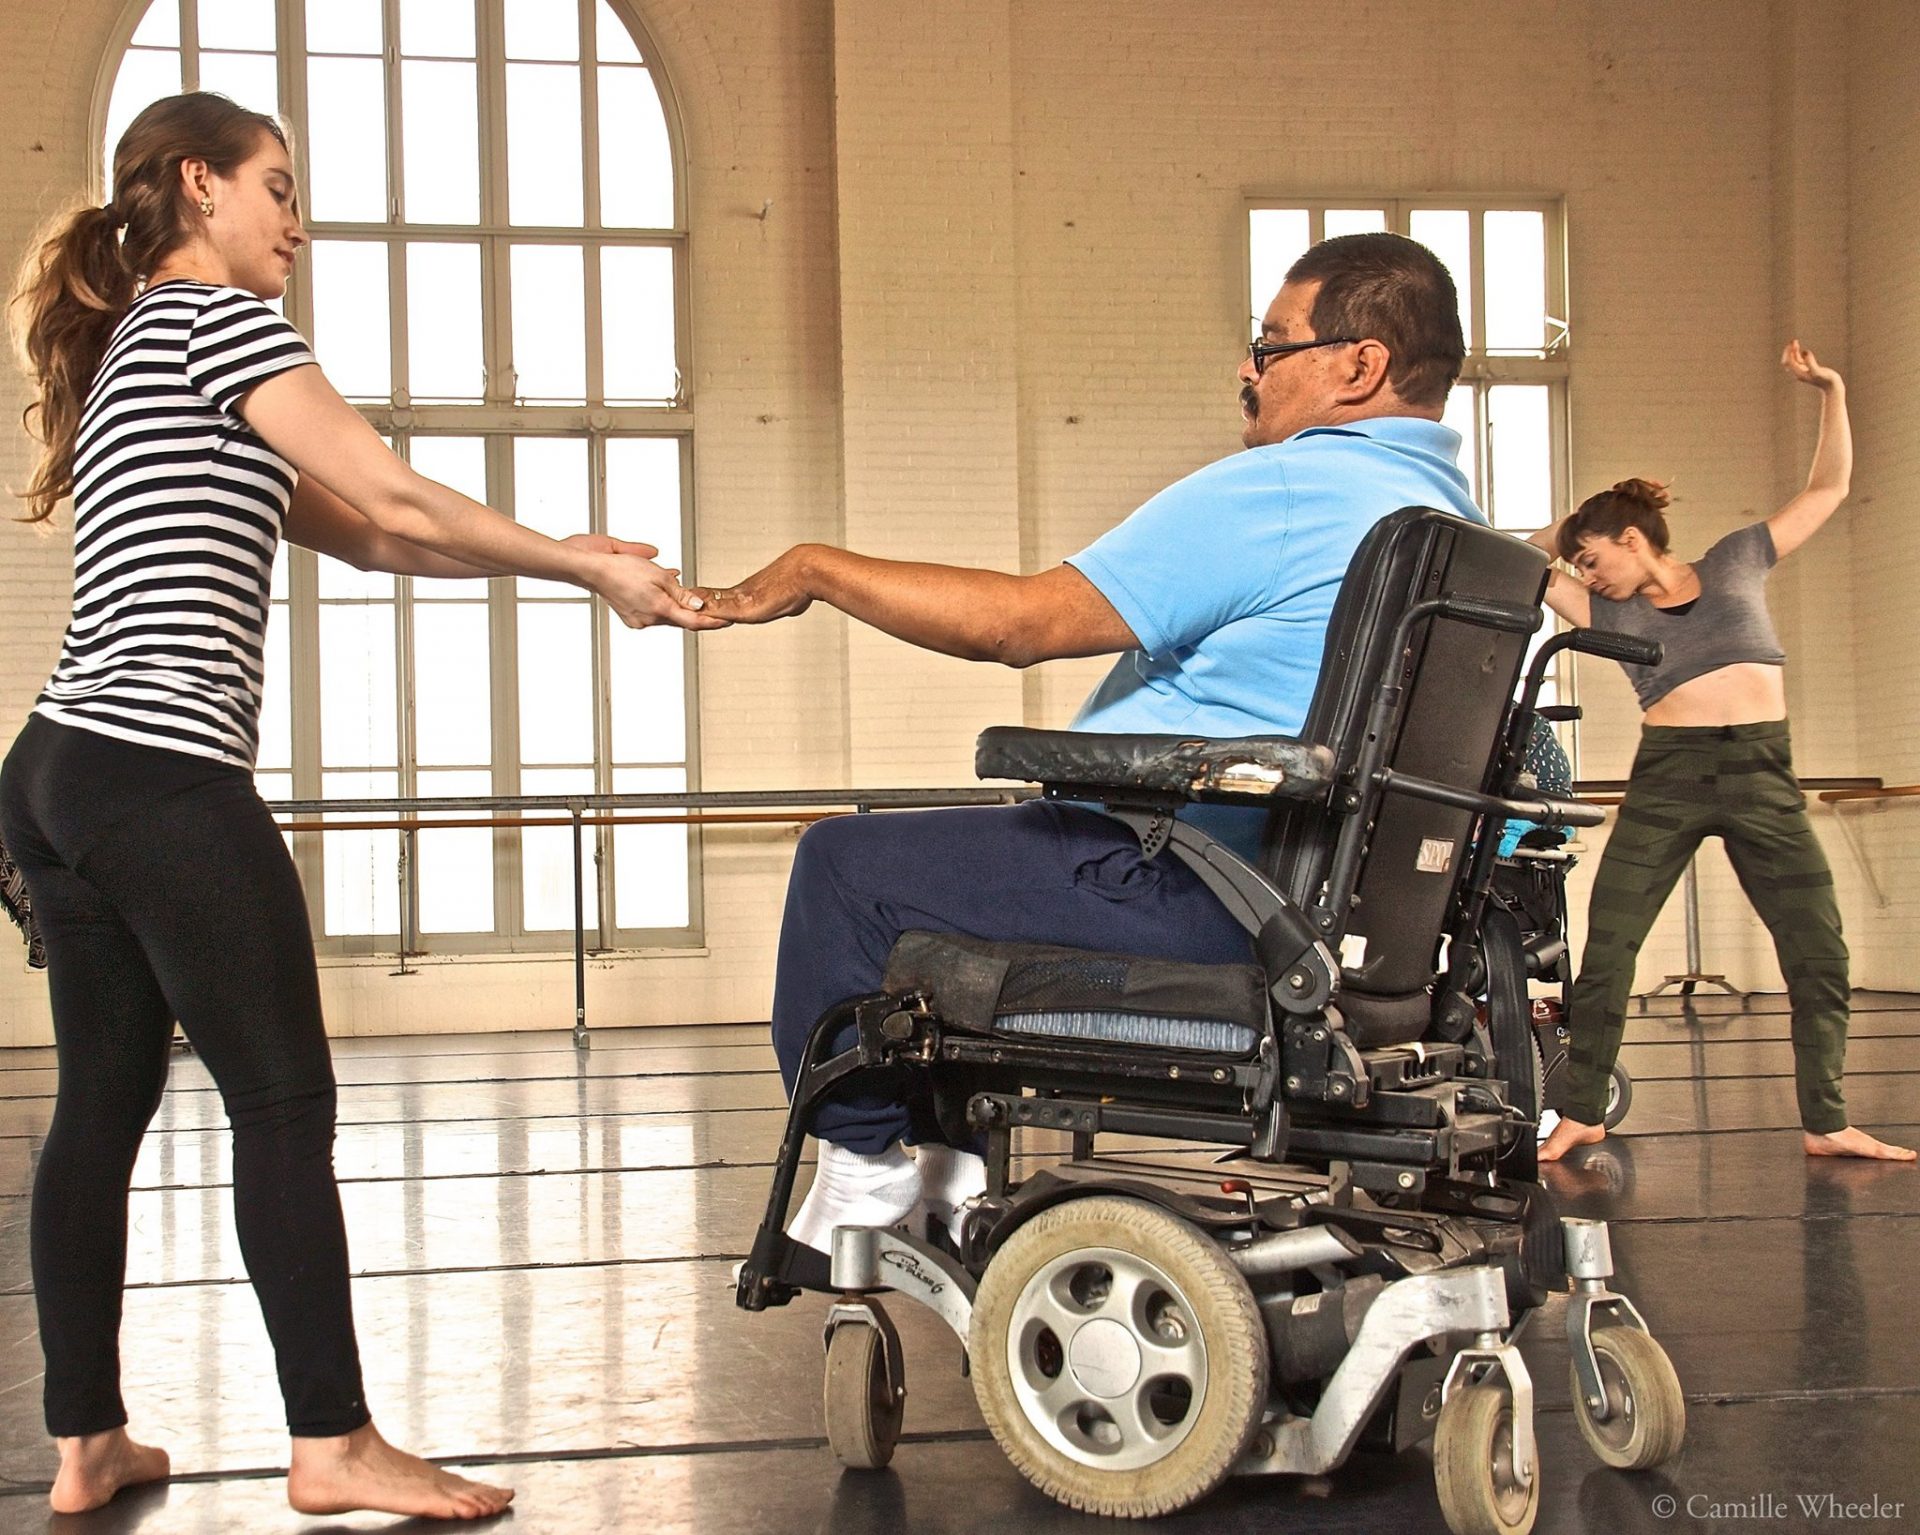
(1480, 1491)
(1619, 1097)
(864, 1397)
(1646, 1410)
(1118, 1357)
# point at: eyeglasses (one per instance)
(1264, 352)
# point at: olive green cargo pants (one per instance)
(1735, 782)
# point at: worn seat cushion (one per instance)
(1046, 991)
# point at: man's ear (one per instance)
(1366, 374)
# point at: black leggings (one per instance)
(164, 892)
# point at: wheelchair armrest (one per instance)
(1248, 769)
(1551, 810)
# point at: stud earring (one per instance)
(206, 206)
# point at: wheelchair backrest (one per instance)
(1460, 680)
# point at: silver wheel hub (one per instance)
(1106, 1358)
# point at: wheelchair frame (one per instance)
(1377, 1213)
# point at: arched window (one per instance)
(498, 280)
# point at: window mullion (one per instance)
(590, 112)
(1483, 446)
(683, 326)
(590, 185)
(291, 16)
(189, 45)
(602, 641)
(390, 71)
(1477, 266)
(407, 754)
(503, 637)
(303, 668)
(1557, 306)
(595, 353)
(690, 664)
(495, 275)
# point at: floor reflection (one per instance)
(544, 1239)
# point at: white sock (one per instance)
(1548, 1119)
(948, 1178)
(851, 1189)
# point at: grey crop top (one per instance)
(1726, 625)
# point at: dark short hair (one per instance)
(1390, 289)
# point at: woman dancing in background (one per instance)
(1715, 760)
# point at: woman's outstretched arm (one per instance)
(301, 416)
(318, 519)
(1832, 473)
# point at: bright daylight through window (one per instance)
(497, 279)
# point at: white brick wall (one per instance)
(997, 301)
(1883, 303)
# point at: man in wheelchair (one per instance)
(1272, 935)
(1217, 593)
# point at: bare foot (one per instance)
(96, 1466)
(1854, 1143)
(362, 1471)
(1568, 1134)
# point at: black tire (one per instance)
(863, 1410)
(1619, 1096)
(1473, 1465)
(1157, 1389)
(1647, 1412)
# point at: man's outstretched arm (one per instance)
(978, 615)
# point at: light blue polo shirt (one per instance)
(1228, 577)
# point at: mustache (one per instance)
(1249, 400)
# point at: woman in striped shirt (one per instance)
(191, 427)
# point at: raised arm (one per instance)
(1566, 596)
(978, 615)
(302, 417)
(1832, 473)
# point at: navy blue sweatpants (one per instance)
(1037, 873)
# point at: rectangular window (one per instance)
(1508, 262)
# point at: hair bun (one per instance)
(1648, 492)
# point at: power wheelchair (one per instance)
(1141, 1322)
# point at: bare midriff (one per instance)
(1745, 694)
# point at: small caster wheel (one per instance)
(1646, 1412)
(864, 1400)
(1619, 1098)
(1480, 1491)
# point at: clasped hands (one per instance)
(644, 593)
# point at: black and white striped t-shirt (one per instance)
(177, 511)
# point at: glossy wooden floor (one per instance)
(543, 1241)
